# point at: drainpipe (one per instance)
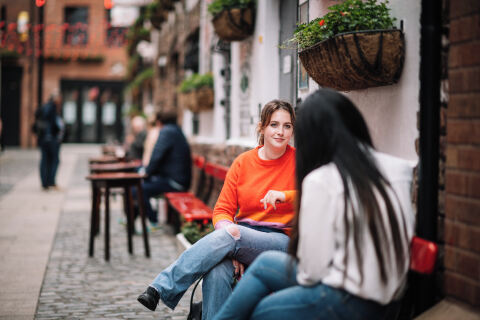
(427, 205)
(40, 58)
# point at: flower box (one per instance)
(234, 24)
(356, 60)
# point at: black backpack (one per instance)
(40, 125)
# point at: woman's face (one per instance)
(278, 131)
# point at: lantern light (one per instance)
(108, 4)
(40, 3)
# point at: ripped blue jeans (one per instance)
(212, 255)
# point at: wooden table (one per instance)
(128, 166)
(103, 159)
(125, 180)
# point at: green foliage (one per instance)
(218, 6)
(194, 231)
(348, 16)
(140, 79)
(196, 81)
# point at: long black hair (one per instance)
(330, 129)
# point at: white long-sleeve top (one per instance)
(321, 246)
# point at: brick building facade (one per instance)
(462, 149)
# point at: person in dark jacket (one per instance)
(169, 169)
(49, 131)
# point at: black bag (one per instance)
(40, 124)
(195, 307)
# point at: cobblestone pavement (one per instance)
(78, 287)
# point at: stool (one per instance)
(125, 180)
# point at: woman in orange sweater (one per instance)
(245, 223)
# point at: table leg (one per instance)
(129, 213)
(107, 223)
(141, 206)
(93, 218)
(98, 200)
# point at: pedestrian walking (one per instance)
(49, 128)
(349, 250)
(240, 219)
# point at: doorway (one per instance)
(10, 105)
(92, 111)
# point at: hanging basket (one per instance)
(197, 100)
(235, 24)
(356, 60)
(203, 99)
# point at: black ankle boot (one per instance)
(149, 298)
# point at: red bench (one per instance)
(194, 207)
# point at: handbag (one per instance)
(195, 307)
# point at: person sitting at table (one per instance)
(153, 130)
(136, 138)
(169, 168)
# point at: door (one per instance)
(288, 58)
(10, 105)
(92, 111)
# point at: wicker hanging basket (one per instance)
(197, 100)
(204, 99)
(356, 60)
(235, 24)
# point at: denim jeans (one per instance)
(269, 290)
(212, 256)
(153, 186)
(50, 149)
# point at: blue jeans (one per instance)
(212, 256)
(50, 150)
(269, 290)
(153, 186)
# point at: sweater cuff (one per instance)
(222, 224)
(290, 196)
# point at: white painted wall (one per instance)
(261, 52)
(390, 111)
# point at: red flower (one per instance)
(342, 13)
(321, 22)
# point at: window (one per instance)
(302, 73)
(116, 36)
(76, 30)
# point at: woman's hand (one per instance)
(239, 268)
(273, 197)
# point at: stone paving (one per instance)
(78, 287)
(15, 165)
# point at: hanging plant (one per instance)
(233, 20)
(354, 46)
(197, 92)
(140, 79)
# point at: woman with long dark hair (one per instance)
(349, 249)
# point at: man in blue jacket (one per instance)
(169, 169)
(49, 130)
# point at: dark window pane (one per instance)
(116, 36)
(76, 28)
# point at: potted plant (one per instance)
(354, 46)
(197, 92)
(195, 230)
(233, 20)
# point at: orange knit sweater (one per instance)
(248, 180)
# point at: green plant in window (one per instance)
(347, 16)
(218, 6)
